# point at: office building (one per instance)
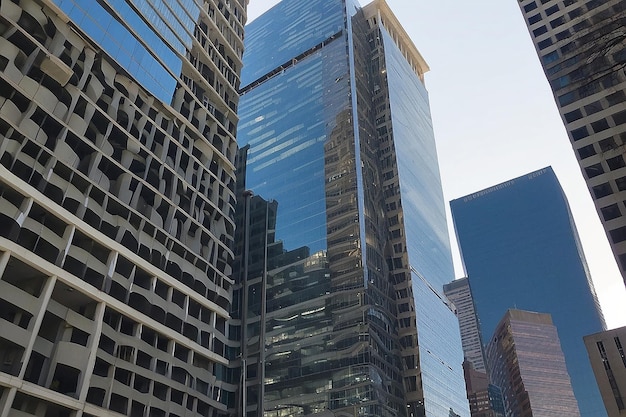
(117, 123)
(581, 48)
(525, 359)
(608, 360)
(458, 291)
(336, 121)
(485, 399)
(520, 249)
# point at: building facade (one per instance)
(520, 249)
(458, 291)
(608, 360)
(485, 399)
(581, 48)
(525, 359)
(117, 123)
(336, 121)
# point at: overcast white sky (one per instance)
(494, 115)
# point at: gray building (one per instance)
(607, 353)
(117, 123)
(581, 46)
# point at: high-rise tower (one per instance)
(581, 46)
(459, 292)
(520, 249)
(117, 123)
(525, 359)
(342, 163)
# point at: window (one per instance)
(552, 10)
(586, 151)
(573, 115)
(619, 118)
(545, 43)
(618, 235)
(580, 133)
(602, 190)
(534, 19)
(594, 170)
(621, 183)
(600, 125)
(540, 31)
(611, 212)
(616, 163)
(530, 6)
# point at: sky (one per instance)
(495, 118)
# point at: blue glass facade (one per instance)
(427, 241)
(323, 154)
(520, 249)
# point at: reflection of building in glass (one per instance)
(485, 399)
(581, 46)
(521, 250)
(339, 145)
(458, 291)
(607, 352)
(117, 123)
(525, 359)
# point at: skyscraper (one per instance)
(520, 249)
(336, 119)
(525, 359)
(458, 291)
(581, 48)
(607, 353)
(117, 122)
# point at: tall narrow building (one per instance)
(336, 121)
(117, 123)
(520, 249)
(525, 358)
(459, 292)
(581, 46)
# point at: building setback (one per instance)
(581, 47)
(607, 353)
(336, 121)
(525, 359)
(117, 123)
(520, 249)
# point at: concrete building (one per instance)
(117, 123)
(336, 118)
(581, 46)
(608, 360)
(525, 359)
(458, 291)
(520, 249)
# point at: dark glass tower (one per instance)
(117, 148)
(521, 250)
(336, 121)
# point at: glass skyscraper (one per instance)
(344, 311)
(520, 249)
(117, 149)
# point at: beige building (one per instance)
(581, 46)
(116, 207)
(607, 353)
